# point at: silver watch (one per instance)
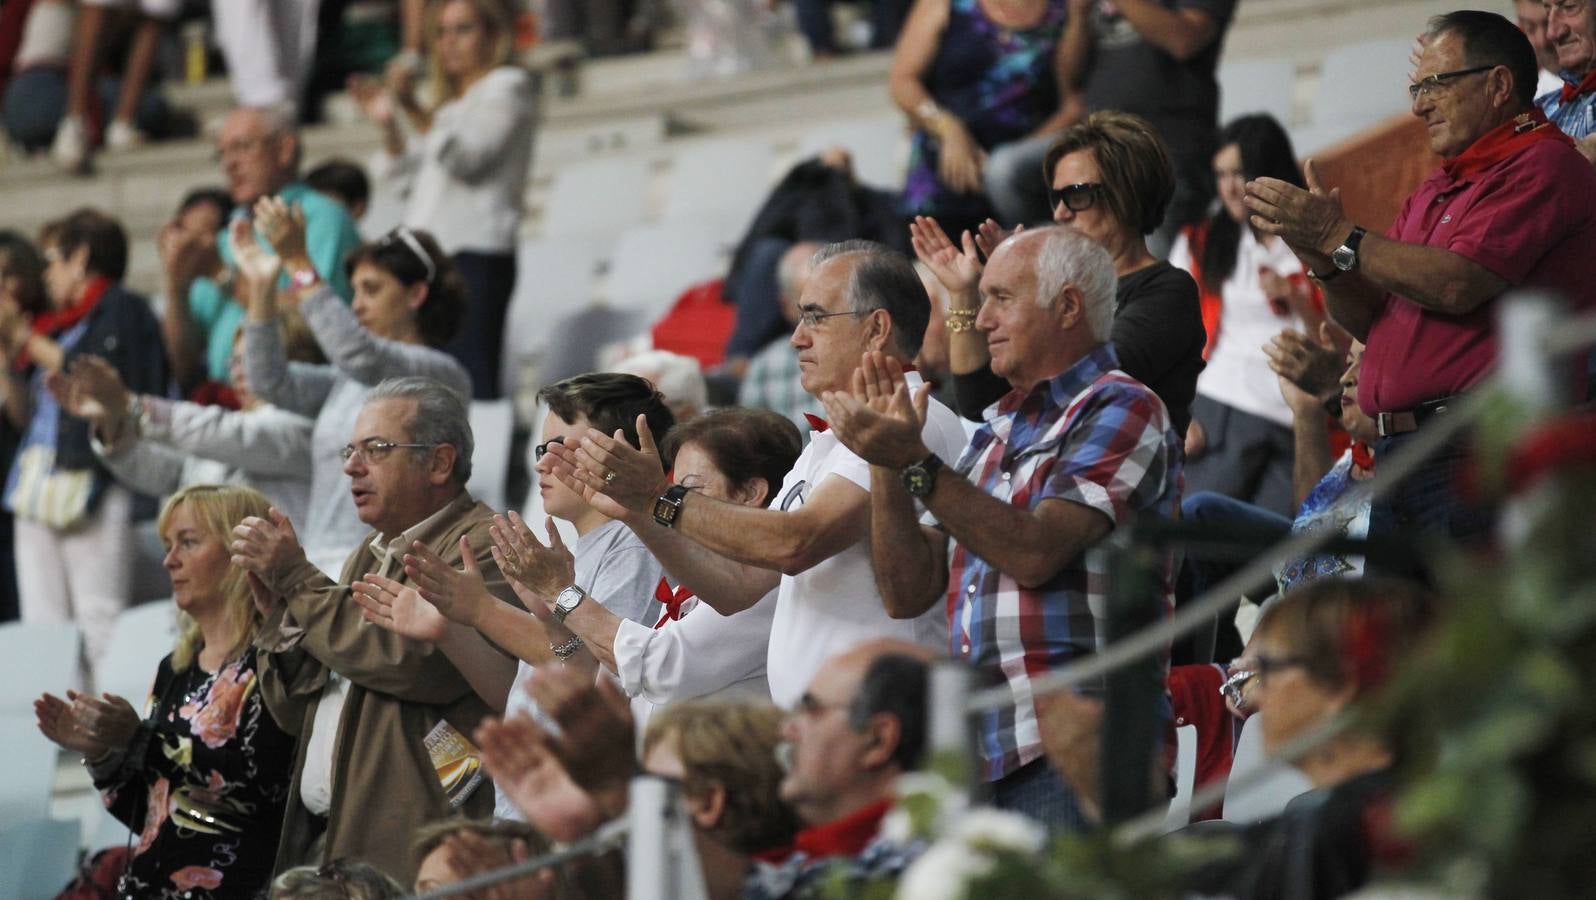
(567, 600)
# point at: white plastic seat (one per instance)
(654, 264)
(143, 635)
(1179, 815)
(29, 773)
(879, 148)
(1279, 784)
(38, 856)
(1359, 86)
(718, 180)
(492, 424)
(553, 278)
(39, 657)
(1249, 86)
(596, 197)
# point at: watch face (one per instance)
(665, 512)
(1344, 257)
(917, 481)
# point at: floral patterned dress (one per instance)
(1000, 82)
(203, 785)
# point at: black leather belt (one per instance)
(1390, 424)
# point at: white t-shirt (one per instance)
(616, 569)
(1238, 373)
(834, 605)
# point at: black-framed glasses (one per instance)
(375, 450)
(1077, 197)
(539, 450)
(404, 235)
(811, 318)
(1430, 84)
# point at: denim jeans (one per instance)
(1037, 790)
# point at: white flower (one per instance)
(943, 872)
(994, 829)
(898, 827)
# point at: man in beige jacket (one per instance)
(384, 746)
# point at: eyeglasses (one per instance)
(1077, 197)
(405, 236)
(241, 146)
(1431, 84)
(810, 705)
(543, 448)
(811, 318)
(376, 450)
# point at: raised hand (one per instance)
(282, 226)
(1306, 364)
(57, 720)
(266, 546)
(596, 738)
(957, 267)
(185, 254)
(520, 756)
(544, 570)
(633, 477)
(399, 608)
(960, 160)
(989, 234)
(459, 595)
(265, 601)
(372, 98)
(108, 719)
(471, 854)
(258, 270)
(880, 420)
(1311, 221)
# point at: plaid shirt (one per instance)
(1575, 118)
(1093, 436)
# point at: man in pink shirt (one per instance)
(1513, 206)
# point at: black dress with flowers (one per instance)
(203, 785)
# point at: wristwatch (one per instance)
(920, 478)
(669, 506)
(1346, 256)
(568, 599)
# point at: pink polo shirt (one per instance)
(1531, 219)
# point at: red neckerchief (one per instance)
(1363, 456)
(673, 601)
(846, 836)
(821, 426)
(55, 321)
(774, 856)
(1502, 142)
(1573, 89)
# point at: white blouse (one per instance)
(700, 655)
(467, 175)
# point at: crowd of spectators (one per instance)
(955, 404)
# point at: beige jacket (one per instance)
(383, 782)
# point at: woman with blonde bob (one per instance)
(202, 777)
(725, 756)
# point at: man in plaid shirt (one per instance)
(1075, 451)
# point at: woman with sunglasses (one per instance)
(1109, 177)
(201, 776)
(1252, 286)
(465, 161)
(408, 304)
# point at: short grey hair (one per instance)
(441, 417)
(1067, 257)
(883, 278)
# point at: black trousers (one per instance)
(489, 280)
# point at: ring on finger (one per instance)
(609, 477)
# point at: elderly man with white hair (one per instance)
(1076, 450)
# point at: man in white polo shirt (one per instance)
(813, 541)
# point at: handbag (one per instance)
(59, 498)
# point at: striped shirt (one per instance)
(1093, 436)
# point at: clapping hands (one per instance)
(879, 419)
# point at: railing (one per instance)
(661, 863)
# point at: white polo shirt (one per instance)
(834, 605)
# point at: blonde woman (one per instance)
(202, 778)
(464, 162)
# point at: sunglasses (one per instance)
(540, 450)
(1077, 197)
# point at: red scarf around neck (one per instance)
(1573, 89)
(54, 321)
(1501, 142)
(846, 836)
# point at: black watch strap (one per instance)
(669, 506)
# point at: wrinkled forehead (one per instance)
(386, 418)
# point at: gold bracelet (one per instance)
(959, 324)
